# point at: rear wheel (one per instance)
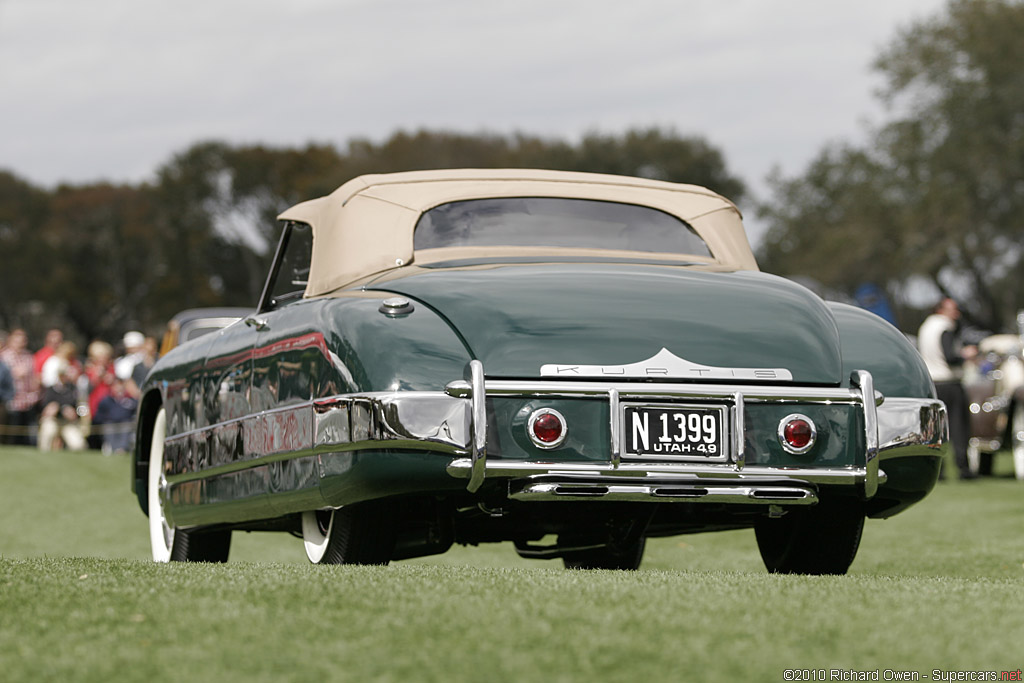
(609, 557)
(819, 540)
(355, 534)
(169, 544)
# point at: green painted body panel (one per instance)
(870, 343)
(351, 477)
(516, 318)
(909, 480)
(418, 351)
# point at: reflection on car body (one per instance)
(479, 356)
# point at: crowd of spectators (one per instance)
(52, 398)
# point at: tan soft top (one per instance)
(366, 226)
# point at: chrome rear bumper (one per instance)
(900, 424)
(454, 422)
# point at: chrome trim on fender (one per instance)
(906, 425)
(429, 418)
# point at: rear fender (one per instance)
(870, 343)
(373, 350)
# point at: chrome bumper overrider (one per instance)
(455, 422)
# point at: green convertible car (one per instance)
(567, 361)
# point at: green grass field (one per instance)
(938, 587)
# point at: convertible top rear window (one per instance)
(555, 222)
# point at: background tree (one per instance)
(23, 208)
(938, 193)
(99, 247)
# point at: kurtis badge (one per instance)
(667, 365)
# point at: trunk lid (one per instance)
(517, 318)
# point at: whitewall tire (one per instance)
(316, 533)
(161, 534)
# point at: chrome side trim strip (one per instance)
(185, 434)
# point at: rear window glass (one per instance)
(555, 222)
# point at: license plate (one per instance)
(678, 432)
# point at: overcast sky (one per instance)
(110, 89)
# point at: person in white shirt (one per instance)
(133, 353)
(938, 344)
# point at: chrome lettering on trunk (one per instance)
(667, 364)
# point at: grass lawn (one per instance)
(938, 587)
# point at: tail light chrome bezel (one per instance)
(537, 441)
(786, 445)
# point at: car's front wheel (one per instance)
(819, 540)
(355, 534)
(168, 543)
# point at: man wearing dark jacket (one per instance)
(937, 341)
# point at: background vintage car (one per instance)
(995, 394)
(510, 355)
(193, 323)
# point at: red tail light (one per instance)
(547, 428)
(797, 433)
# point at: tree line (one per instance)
(105, 258)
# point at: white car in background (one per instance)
(996, 396)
